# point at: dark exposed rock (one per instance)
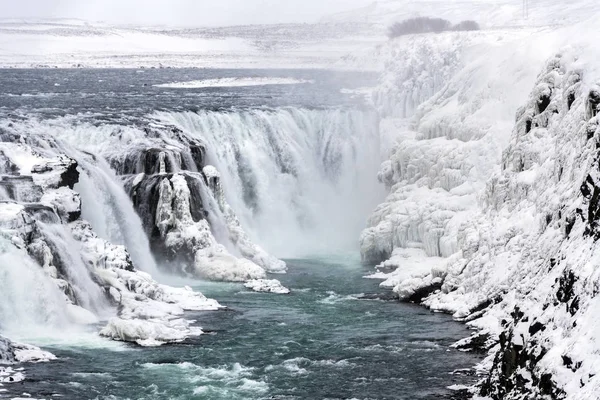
(566, 284)
(198, 153)
(21, 188)
(536, 327)
(7, 166)
(570, 100)
(543, 102)
(70, 177)
(420, 294)
(477, 343)
(385, 296)
(147, 161)
(593, 104)
(504, 380)
(196, 206)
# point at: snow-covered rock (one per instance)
(520, 252)
(149, 332)
(11, 353)
(532, 261)
(81, 277)
(267, 285)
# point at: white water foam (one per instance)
(301, 181)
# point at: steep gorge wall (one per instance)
(531, 256)
(501, 230)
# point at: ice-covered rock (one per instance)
(11, 353)
(149, 332)
(267, 285)
(446, 148)
(531, 258)
(520, 257)
(184, 210)
(82, 277)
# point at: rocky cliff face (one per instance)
(530, 256)
(504, 240)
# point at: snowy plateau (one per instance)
(490, 141)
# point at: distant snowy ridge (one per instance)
(488, 13)
(77, 44)
(499, 229)
(233, 82)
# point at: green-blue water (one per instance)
(320, 342)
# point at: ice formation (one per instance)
(81, 278)
(498, 229)
(267, 285)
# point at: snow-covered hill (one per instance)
(489, 13)
(79, 44)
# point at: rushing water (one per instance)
(321, 341)
(299, 165)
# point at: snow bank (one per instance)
(233, 82)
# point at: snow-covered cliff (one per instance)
(446, 113)
(500, 229)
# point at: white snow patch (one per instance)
(267, 285)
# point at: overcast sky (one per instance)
(179, 12)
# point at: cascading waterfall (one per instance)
(108, 208)
(301, 181)
(29, 297)
(87, 292)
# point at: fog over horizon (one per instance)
(179, 12)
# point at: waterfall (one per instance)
(108, 208)
(30, 299)
(301, 181)
(64, 247)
